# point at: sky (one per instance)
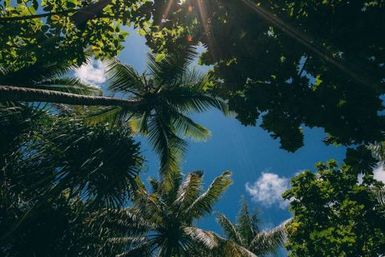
(261, 171)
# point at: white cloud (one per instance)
(379, 173)
(268, 190)
(93, 73)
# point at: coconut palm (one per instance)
(98, 163)
(166, 217)
(44, 83)
(168, 93)
(247, 233)
(48, 157)
(156, 104)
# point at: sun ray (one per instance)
(206, 23)
(304, 40)
(166, 11)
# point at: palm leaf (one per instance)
(204, 203)
(231, 249)
(216, 244)
(229, 229)
(189, 99)
(378, 150)
(267, 241)
(189, 190)
(189, 128)
(124, 79)
(168, 145)
(68, 85)
(247, 224)
(206, 238)
(169, 70)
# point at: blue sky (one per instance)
(254, 158)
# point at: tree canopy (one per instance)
(71, 165)
(346, 219)
(288, 64)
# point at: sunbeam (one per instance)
(206, 23)
(304, 40)
(166, 11)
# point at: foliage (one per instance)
(57, 229)
(167, 95)
(40, 32)
(97, 162)
(281, 66)
(334, 214)
(247, 233)
(54, 171)
(167, 215)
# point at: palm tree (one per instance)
(157, 104)
(161, 221)
(34, 83)
(167, 95)
(247, 233)
(98, 163)
(47, 157)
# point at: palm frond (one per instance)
(229, 229)
(108, 115)
(125, 221)
(139, 123)
(232, 249)
(124, 79)
(378, 150)
(267, 241)
(380, 195)
(142, 250)
(127, 240)
(206, 238)
(204, 203)
(166, 143)
(216, 244)
(247, 223)
(68, 85)
(189, 190)
(169, 70)
(98, 162)
(34, 73)
(187, 99)
(189, 128)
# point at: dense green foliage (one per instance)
(335, 214)
(67, 32)
(69, 165)
(55, 170)
(294, 63)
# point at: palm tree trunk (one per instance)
(12, 93)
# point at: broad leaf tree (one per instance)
(335, 214)
(279, 65)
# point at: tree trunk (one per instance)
(12, 93)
